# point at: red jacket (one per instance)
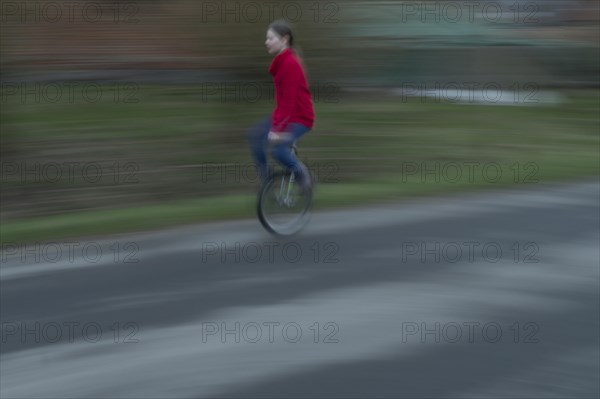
(294, 100)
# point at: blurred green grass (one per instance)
(365, 144)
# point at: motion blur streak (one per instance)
(453, 248)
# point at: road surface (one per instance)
(492, 294)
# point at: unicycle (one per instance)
(284, 207)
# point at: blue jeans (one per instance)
(281, 151)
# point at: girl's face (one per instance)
(275, 43)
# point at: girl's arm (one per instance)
(292, 79)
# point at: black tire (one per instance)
(266, 199)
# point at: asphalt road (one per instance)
(491, 294)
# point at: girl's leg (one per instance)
(257, 138)
(282, 152)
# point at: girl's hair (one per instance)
(283, 28)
